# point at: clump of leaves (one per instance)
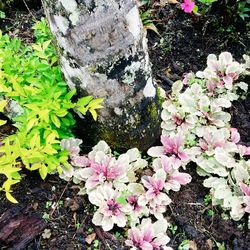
(148, 22)
(5, 3)
(34, 95)
(231, 11)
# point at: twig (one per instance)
(26, 5)
(195, 204)
(59, 199)
(83, 221)
(102, 237)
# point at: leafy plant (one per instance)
(243, 8)
(2, 14)
(207, 199)
(147, 21)
(184, 245)
(205, 7)
(210, 213)
(195, 128)
(34, 95)
(196, 113)
(231, 12)
(145, 2)
(5, 3)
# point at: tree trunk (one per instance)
(103, 53)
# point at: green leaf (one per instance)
(31, 123)
(61, 112)
(69, 95)
(43, 67)
(33, 106)
(122, 200)
(55, 120)
(51, 138)
(43, 171)
(35, 141)
(46, 44)
(8, 183)
(35, 166)
(44, 115)
(84, 101)
(2, 122)
(11, 198)
(48, 149)
(95, 104)
(3, 103)
(195, 9)
(37, 47)
(93, 113)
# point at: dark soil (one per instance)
(192, 216)
(69, 214)
(185, 43)
(182, 47)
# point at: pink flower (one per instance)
(79, 161)
(133, 202)
(187, 6)
(102, 168)
(109, 211)
(112, 208)
(177, 119)
(148, 236)
(155, 195)
(174, 178)
(174, 145)
(157, 209)
(138, 239)
(136, 210)
(211, 86)
(72, 145)
(211, 140)
(187, 77)
(243, 150)
(246, 190)
(154, 186)
(235, 136)
(177, 179)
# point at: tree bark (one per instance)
(103, 53)
(19, 225)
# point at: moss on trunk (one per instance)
(103, 52)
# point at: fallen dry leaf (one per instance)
(173, 1)
(89, 239)
(192, 245)
(210, 244)
(72, 204)
(46, 233)
(163, 3)
(35, 205)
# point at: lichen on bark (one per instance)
(103, 53)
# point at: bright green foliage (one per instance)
(205, 7)
(145, 2)
(30, 76)
(2, 14)
(5, 3)
(3, 104)
(207, 1)
(243, 8)
(147, 21)
(240, 9)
